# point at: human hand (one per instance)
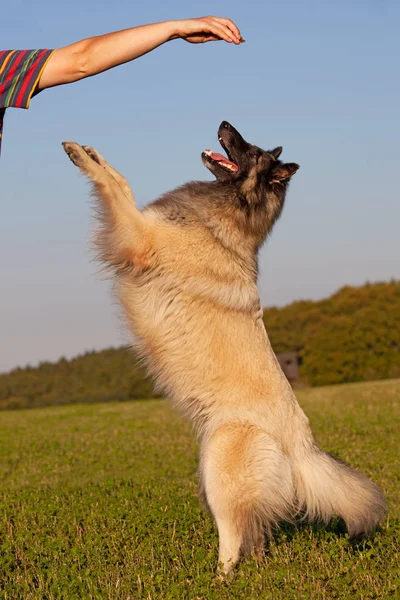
(208, 29)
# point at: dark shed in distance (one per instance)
(289, 365)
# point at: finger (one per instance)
(221, 31)
(231, 26)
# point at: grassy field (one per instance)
(100, 501)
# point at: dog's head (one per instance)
(253, 171)
(253, 182)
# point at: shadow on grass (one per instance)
(337, 528)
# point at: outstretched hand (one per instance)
(209, 29)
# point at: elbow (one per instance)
(82, 66)
(80, 61)
(67, 65)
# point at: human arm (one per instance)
(97, 54)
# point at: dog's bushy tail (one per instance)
(327, 487)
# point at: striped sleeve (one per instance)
(20, 71)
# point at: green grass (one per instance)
(100, 501)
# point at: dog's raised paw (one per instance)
(92, 153)
(75, 153)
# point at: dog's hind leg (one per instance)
(248, 487)
(125, 237)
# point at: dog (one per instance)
(185, 269)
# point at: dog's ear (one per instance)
(276, 152)
(282, 172)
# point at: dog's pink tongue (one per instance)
(219, 157)
(222, 159)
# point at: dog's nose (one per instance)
(225, 125)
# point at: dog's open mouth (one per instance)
(221, 160)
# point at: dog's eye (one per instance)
(253, 153)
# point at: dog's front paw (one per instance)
(75, 153)
(94, 155)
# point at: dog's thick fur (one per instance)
(186, 273)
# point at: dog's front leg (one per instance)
(124, 239)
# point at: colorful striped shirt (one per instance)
(20, 71)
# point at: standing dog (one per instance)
(186, 274)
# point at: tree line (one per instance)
(354, 335)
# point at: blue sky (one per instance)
(319, 78)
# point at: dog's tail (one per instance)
(327, 487)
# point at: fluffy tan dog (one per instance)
(186, 274)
